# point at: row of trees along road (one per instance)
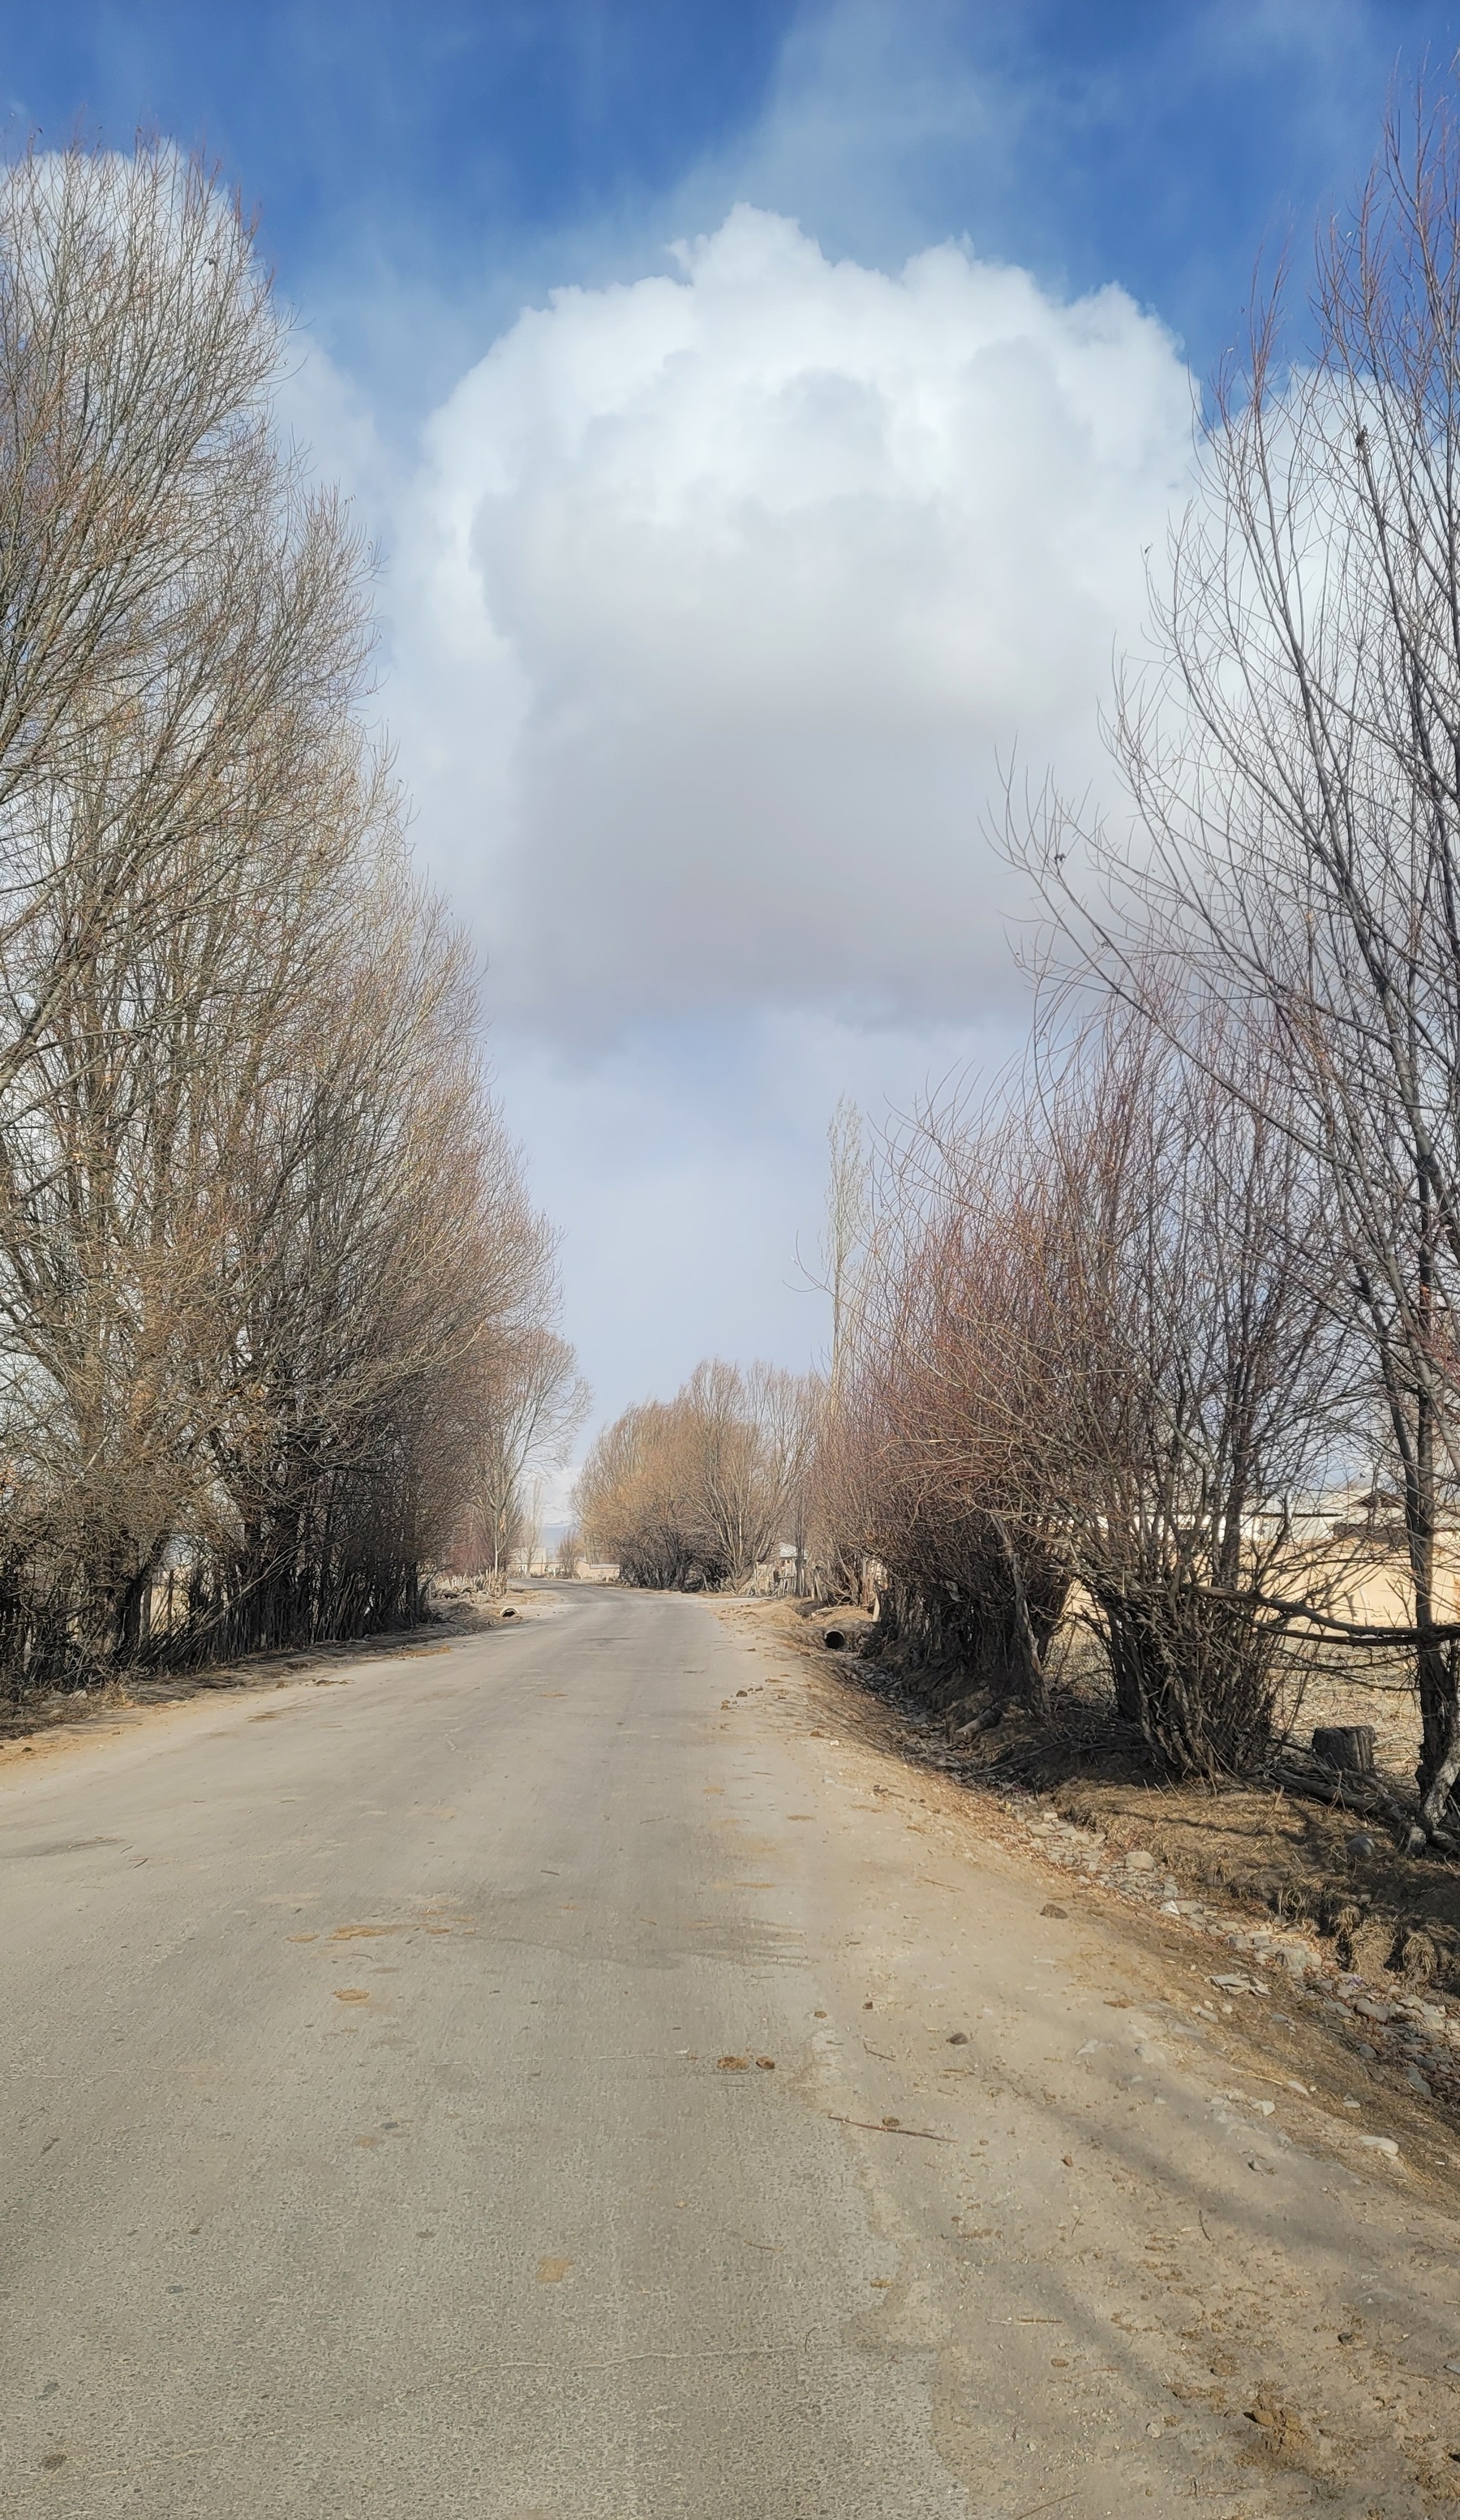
(269, 1280)
(1207, 1261)
(699, 1490)
(1198, 1264)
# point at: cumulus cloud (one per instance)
(716, 601)
(722, 596)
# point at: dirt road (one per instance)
(530, 2078)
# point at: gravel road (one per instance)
(547, 2076)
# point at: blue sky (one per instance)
(454, 157)
(722, 591)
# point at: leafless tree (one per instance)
(1103, 1352)
(846, 1199)
(1211, 1386)
(1293, 761)
(530, 1403)
(260, 1220)
(699, 1490)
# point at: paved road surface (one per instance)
(369, 2152)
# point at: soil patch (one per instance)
(1291, 1899)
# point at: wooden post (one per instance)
(1346, 1746)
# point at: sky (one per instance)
(765, 413)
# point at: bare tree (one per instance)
(530, 1403)
(1211, 1374)
(137, 345)
(1293, 763)
(260, 1220)
(847, 1203)
(1102, 1353)
(701, 1489)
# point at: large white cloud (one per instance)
(716, 600)
(721, 597)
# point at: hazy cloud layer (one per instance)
(721, 598)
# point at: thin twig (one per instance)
(873, 2129)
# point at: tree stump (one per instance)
(1346, 1746)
